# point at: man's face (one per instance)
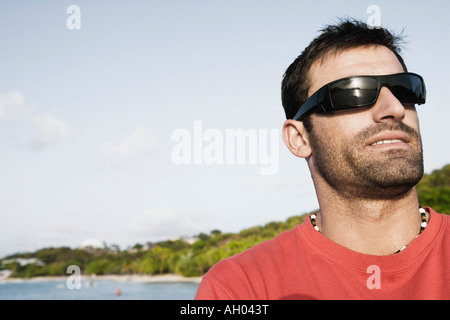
(345, 152)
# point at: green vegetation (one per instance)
(180, 256)
(170, 256)
(434, 190)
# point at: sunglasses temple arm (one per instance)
(311, 103)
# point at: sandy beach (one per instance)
(118, 278)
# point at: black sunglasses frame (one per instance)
(321, 100)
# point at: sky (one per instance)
(124, 122)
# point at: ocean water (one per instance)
(97, 290)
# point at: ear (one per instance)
(296, 138)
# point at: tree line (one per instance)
(183, 257)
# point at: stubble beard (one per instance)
(349, 169)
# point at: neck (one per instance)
(376, 227)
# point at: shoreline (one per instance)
(119, 278)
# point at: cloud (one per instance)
(9, 104)
(140, 141)
(23, 124)
(164, 223)
(50, 129)
(92, 242)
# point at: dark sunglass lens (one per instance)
(407, 88)
(353, 92)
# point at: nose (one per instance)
(388, 107)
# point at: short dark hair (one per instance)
(347, 34)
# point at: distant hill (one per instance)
(183, 256)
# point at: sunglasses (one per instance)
(362, 91)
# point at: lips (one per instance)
(388, 138)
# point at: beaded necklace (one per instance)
(423, 225)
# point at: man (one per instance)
(351, 113)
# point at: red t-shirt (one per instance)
(303, 264)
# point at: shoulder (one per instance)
(441, 217)
(439, 226)
(266, 251)
(258, 256)
(239, 276)
(445, 218)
